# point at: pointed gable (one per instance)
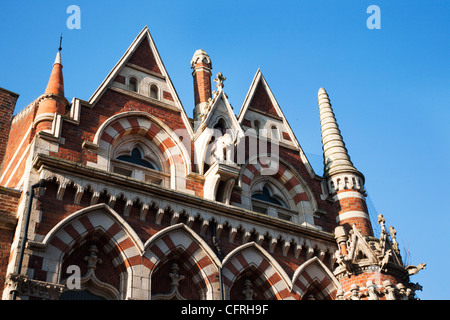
(141, 76)
(260, 110)
(221, 108)
(261, 107)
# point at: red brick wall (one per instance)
(9, 200)
(195, 186)
(261, 101)
(202, 84)
(53, 211)
(7, 104)
(354, 204)
(17, 134)
(110, 104)
(144, 58)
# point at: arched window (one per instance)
(135, 158)
(269, 199)
(266, 196)
(257, 126)
(154, 91)
(221, 125)
(133, 85)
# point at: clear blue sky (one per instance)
(389, 88)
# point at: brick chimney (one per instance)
(8, 101)
(201, 65)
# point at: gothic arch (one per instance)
(166, 141)
(118, 238)
(195, 254)
(314, 277)
(251, 255)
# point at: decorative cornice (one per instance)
(65, 172)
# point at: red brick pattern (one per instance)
(202, 84)
(143, 57)
(9, 201)
(261, 101)
(7, 104)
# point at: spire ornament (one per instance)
(60, 43)
(336, 158)
(219, 81)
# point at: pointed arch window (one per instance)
(136, 158)
(269, 199)
(266, 196)
(221, 126)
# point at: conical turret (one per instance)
(52, 102)
(345, 183)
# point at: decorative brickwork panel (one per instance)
(143, 57)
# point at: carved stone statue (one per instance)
(248, 291)
(175, 276)
(92, 259)
(344, 262)
(223, 148)
(385, 259)
(415, 269)
(393, 232)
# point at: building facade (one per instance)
(126, 197)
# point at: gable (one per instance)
(142, 66)
(261, 112)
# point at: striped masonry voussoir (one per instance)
(71, 231)
(59, 244)
(86, 222)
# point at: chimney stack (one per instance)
(201, 65)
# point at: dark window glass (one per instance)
(266, 196)
(79, 295)
(136, 158)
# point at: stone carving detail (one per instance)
(25, 286)
(354, 292)
(248, 291)
(357, 253)
(92, 259)
(223, 148)
(175, 278)
(372, 291)
(414, 269)
(219, 81)
(161, 207)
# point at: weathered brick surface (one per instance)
(9, 200)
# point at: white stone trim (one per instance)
(352, 214)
